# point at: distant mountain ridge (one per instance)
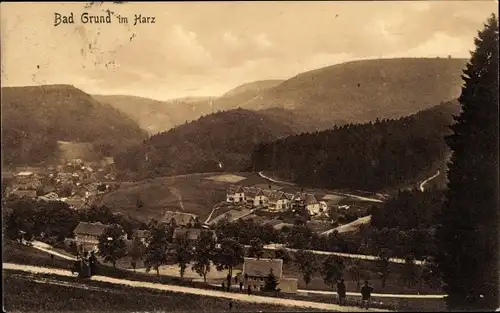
(34, 118)
(156, 116)
(351, 92)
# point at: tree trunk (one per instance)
(205, 277)
(158, 271)
(114, 264)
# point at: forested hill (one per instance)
(221, 141)
(361, 91)
(34, 118)
(369, 156)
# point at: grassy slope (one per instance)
(198, 195)
(24, 294)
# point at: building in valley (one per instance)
(87, 235)
(255, 272)
(181, 219)
(255, 196)
(278, 201)
(235, 194)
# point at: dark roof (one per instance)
(93, 229)
(261, 267)
(181, 218)
(234, 189)
(276, 195)
(252, 192)
(306, 197)
(192, 233)
(266, 193)
(310, 199)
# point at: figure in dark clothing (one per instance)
(341, 291)
(249, 289)
(236, 279)
(228, 282)
(241, 286)
(230, 305)
(366, 293)
(92, 263)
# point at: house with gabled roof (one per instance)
(255, 272)
(87, 235)
(310, 202)
(255, 196)
(235, 194)
(191, 233)
(180, 219)
(278, 201)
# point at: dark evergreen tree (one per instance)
(271, 282)
(467, 236)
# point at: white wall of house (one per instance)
(260, 200)
(239, 197)
(313, 208)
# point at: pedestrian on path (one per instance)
(241, 286)
(341, 291)
(230, 305)
(366, 293)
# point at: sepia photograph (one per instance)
(250, 156)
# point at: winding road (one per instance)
(337, 193)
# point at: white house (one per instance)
(278, 201)
(235, 194)
(255, 196)
(311, 203)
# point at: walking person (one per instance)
(366, 293)
(341, 291)
(230, 305)
(241, 286)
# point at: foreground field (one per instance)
(36, 293)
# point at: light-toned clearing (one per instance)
(227, 178)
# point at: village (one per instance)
(73, 181)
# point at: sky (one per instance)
(208, 48)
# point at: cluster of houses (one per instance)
(274, 200)
(75, 182)
(254, 273)
(87, 234)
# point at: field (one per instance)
(37, 293)
(193, 193)
(230, 178)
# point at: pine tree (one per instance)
(271, 282)
(467, 235)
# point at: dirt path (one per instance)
(421, 187)
(196, 291)
(346, 255)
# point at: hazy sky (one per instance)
(207, 48)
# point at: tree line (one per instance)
(369, 156)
